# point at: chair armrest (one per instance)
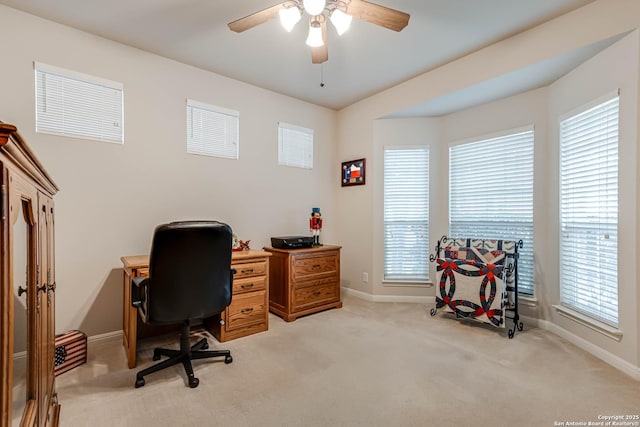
(139, 293)
(233, 272)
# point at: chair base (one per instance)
(185, 355)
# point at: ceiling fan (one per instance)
(340, 12)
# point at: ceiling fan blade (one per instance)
(379, 15)
(321, 54)
(250, 21)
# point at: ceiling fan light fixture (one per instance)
(315, 35)
(340, 20)
(289, 17)
(314, 7)
(340, 12)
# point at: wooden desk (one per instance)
(247, 314)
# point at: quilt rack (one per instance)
(471, 267)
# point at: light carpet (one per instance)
(366, 364)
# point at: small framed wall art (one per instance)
(353, 172)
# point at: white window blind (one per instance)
(212, 131)
(491, 194)
(589, 211)
(295, 146)
(77, 105)
(406, 213)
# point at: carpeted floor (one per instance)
(366, 364)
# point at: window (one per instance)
(491, 194)
(406, 213)
(212, 131)
(78, 105)
(295, 146)
(589, 211)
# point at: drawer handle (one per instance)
(246, 310)
(247, 286)
(247, 271)
(316, 265)
(317, 293)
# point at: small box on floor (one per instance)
(71, 351)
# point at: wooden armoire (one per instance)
(28, 285)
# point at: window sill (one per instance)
(606, 330)
(407, 283)
(529, 301)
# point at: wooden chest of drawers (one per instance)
(249, 310)
(304, 281)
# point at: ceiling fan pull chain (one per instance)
(322, 74)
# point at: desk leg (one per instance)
(129, 322)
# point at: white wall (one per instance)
(593, 80)
(359, 135)
(542, 108)
(355, 123)
(112, 196)
(526, 109)
(405, 132)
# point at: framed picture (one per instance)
(353, 172)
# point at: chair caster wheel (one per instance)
(156, 356)
(193, 382)
(139, 382)
(205, 345)
(228, 359)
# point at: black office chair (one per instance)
(190, 278)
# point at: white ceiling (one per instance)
(363, 61)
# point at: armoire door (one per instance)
(23, 208)
(46, 304)
(51, 292)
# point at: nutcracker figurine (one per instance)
(315, 225)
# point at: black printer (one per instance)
(292, 242)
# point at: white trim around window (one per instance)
(73, 104)
(295, 146)
(212, 130)
(491, 193)
(406, 214)
(589, 142)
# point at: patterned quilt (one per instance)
(473, 281)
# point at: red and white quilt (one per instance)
(473, 280)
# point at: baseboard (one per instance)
(387, 298)
(105, 338)
(605, 356)
(93, 340)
